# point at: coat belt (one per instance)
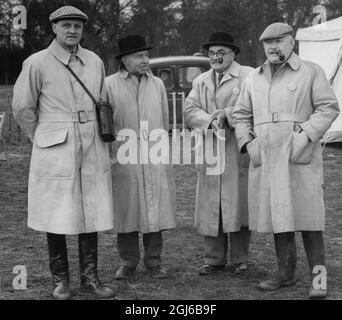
(81, 116)
(279, 117)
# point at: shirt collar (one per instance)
(125, 74)
(63, 55)
(293, 61)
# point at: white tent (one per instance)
(322, 44)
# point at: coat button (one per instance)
(292, 86)
(236, 91)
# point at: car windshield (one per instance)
(187, 75)
(166, 74)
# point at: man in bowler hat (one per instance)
(143, 191)
(221, 201)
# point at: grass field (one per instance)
(183, 250)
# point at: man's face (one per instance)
(278, 50)
(220, 58)
(164, 76)
(137, 62)
(68, 32)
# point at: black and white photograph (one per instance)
(184, 151)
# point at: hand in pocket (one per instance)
(302, 148)
(253, 150)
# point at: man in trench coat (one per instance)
(70, 187)
(284, 109)
(143, 190)
(221, 201)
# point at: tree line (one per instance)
(173, 27)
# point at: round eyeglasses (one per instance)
(219, 54)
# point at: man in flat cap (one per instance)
(143, 189)
(284, 109)
(70, 187)
(221, 201)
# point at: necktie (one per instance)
(73, 57)
(220, 77)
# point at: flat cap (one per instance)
(68, 12)
(276, 30)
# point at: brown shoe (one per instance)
(124, 273)
(240, 268)
(157, 272)
(275, 282)
(209, 269)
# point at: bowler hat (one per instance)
(67, 12)
(221, 39)
(131, 44)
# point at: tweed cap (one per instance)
(68, 12)
(276, 30)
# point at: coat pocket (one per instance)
(53, 154)
(103, 151)
(253, 149)
(302, 149)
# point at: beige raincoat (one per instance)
(286, 170)
(70, 188)
(230, 188)
(144, 193)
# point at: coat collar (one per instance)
(232, 72)
(125, 74)
(294, 62)
(63, 55)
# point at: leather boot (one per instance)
(285, 245)
(314, 249)
(87, 245)
(58, 264)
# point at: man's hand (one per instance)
(222, 120)
(215, 127)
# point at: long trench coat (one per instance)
(70, 188)
(286, 169)
(144, 193)
(229, 189)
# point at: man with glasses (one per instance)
(221, 204)
(144, 193)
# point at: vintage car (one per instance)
(177, 73)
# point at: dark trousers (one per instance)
(215, 248)
(58, 255)
(285, 245)
(129, 252)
